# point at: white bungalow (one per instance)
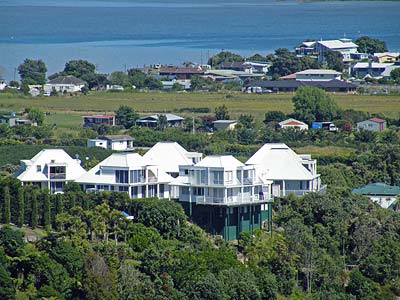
(51, 169)
(127, 172)
(62, 84)
(290, 172)
(293, 123)
(318, 75)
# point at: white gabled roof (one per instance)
(338, 44)
(220, 161)
(168, 156)
(318, 71)
(28, 171)
(279, 162)
(293, 122)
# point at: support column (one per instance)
(190, 201)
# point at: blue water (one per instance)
(126, 33)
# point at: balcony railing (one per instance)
(152, 179)
(58, 175)
(300, 192)
(231, 200)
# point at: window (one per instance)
(198, 191)
(122, 189)
(38, 168)
(121, 176)
(137, 176)
(152, 190)
(218, 177)
(185, 190)
(135, 192)
(229, 176)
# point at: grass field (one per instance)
(67, 111)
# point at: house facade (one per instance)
(50, 169)
(372, 69)
(92, 121)
(374, 124)
(318, 75)
(112, 142)
(129, 173)
(293, 123)
(319, 49)
(386, 57)
(385, 195)
(224, 196)
(225, 124)
(290, 86)
(288, 171)
(152, 121)
(344, 46)
(62, 84)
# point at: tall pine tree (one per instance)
(46, 211)
(21, 207)
(34, 211)
(7, 205)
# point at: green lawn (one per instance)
(67, 111)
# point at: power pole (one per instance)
(193, 130)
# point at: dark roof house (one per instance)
(290, 86)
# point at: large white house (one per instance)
(319, 48)
(168, 156)
(224, 196)
(51, 169)
(290, 172)
(222, 180)
(69, 84)
(127, 172)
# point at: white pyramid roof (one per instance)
(168, 156)
(279, 162)
(28, 171)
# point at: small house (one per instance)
(318, 75)
(92, 121)
(225, 124)
(374, 124)
(152, 121)
(385, 195)
(64, 84)
(112, 142)
(293, 123)
(386, 57)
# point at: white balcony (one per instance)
(231, 200)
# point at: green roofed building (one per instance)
(385, 195)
